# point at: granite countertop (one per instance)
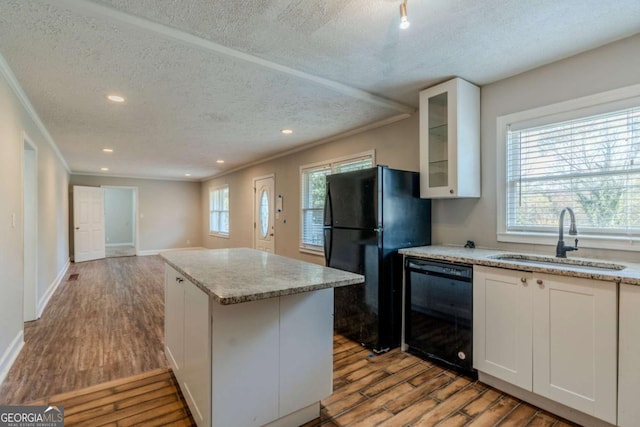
(629, 275)
(232, 276)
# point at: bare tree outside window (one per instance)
(591, 164)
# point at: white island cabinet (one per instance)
(551, 335)
(187, 331)
(249, 335)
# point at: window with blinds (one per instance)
(591, 164)
(313, 185)
(219, 211)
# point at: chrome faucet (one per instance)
(561, 249)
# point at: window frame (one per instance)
(331, 165)
(604, 102)
(219, 189)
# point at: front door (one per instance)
(263, 230)
(88, 223)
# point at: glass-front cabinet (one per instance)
(450, 140)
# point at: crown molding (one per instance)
(11, 79)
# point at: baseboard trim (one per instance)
(158, 251)
(113, 245)
(11, 354)
(42, 304)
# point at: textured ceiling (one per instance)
(218, 79)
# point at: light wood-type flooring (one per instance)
(107, 324)
(397, 389)
(149, 399)
(98, 351)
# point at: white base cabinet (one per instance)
(265, 362)
(502, 322)
(555, 336)
(629, 351)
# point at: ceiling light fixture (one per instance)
(104, 169)
(404, 21)
(115, 98)
(108, 150)
(287, 131)
(187, 174)
(220, 161)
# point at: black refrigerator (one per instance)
(368, 215)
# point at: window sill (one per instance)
(222, 236)
(585, 241)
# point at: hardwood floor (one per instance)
(107, 325)
(397, 389)
(149, 399)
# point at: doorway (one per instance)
(263, 213)
(88, 223)
(30, 229)
(120, 207)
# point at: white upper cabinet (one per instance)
(450, 140)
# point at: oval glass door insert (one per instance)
(264, 213)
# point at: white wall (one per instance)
(395, 145)
(168, 211)
(609, 67)
(118, 216)
(52, 184)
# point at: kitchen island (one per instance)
(248, 335)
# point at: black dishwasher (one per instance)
(439, 312)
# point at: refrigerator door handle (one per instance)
(328, 244)
(328, 207)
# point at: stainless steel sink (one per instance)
(547, 260)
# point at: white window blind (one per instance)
(313, 192)
(313, 185)
(219, 210)
(591, 164)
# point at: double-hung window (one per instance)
(586, 159)
(219, 211)
(312, 180)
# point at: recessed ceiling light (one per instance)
(108, 150)
(220, 161)
(104, 169)
(187, 174)
(287, 131)
(115, 98)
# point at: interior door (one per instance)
(263, 230)
(88, 223)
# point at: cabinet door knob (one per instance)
(523, 279)
(451, 191)
(539, 282)
(179, 279)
